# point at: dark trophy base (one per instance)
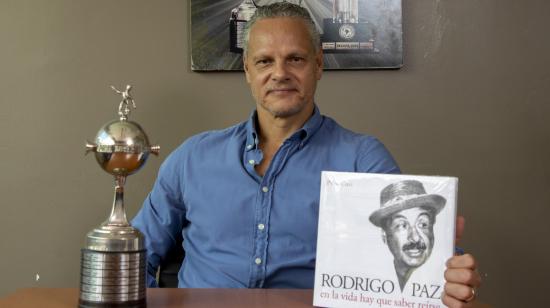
(134, 304)
(112, 279)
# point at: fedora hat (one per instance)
(405, 195)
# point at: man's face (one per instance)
(282, 67)
(409, 235)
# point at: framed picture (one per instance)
(355, 34)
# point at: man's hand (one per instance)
(462, 281)
(461, 276)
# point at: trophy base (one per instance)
(134, 304)
(113, 279)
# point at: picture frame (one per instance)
(355, 34)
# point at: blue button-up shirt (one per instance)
(242, 230)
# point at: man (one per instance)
(245, 199)
(407, 216)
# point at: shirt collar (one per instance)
(302, 135)
(252, 139)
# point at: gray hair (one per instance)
(283, 9)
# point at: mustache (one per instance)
(279, 87)
(415, 245)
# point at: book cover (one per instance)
(383, 239)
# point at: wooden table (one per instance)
(189, 298)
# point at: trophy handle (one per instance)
(155, 149)
(90, 147)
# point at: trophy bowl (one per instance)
(121, 147)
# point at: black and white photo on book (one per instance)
(383, 240)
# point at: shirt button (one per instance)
(249, 146)
(265, 189)
(251, 162)
(261, 226)
(258, 261)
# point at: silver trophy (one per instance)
(113, 265)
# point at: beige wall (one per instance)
(472, 101)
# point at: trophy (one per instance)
(113, 262)
(345, 32)
(237, 23)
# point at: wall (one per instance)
(471, 101)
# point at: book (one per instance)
(383, 240)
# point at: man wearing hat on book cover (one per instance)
(407, 216)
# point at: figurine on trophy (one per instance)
(113, 265)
